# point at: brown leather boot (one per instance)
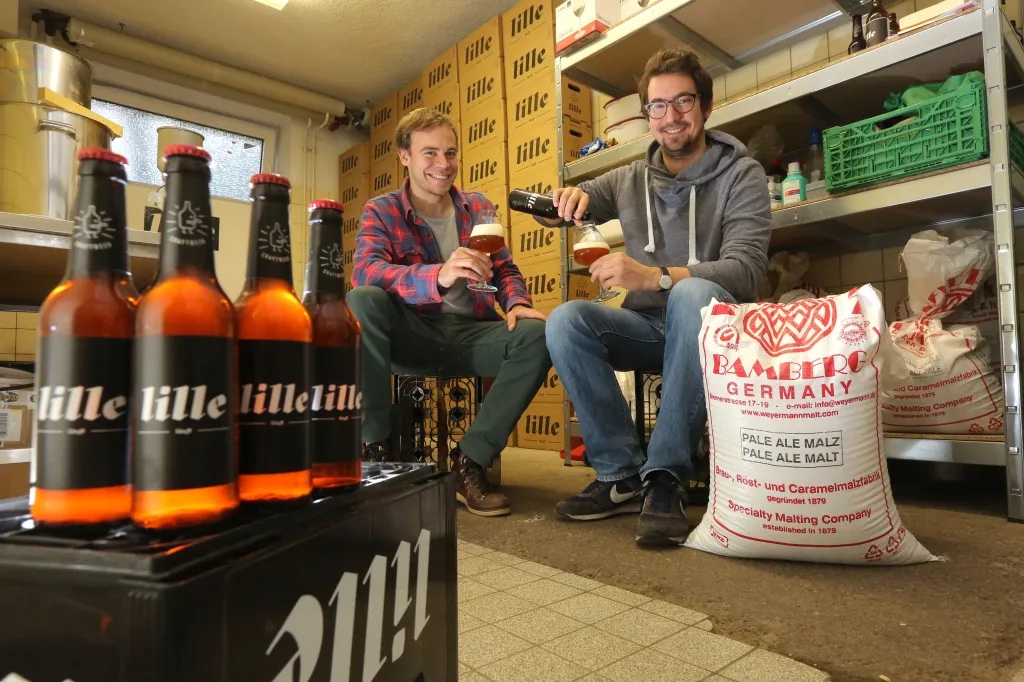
(473, 490)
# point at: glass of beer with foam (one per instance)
(589, 246)
(488, 236)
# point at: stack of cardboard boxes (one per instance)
(353, 190)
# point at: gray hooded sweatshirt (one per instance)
(730, 205)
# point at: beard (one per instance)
(686, 149)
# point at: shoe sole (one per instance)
(624, 509)
(503, 511)
(658, 541)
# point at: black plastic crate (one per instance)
(357, 586)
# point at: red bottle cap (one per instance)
(326, 203)
(186, 150)
(270, 178)
(101, 154)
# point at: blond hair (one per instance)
(420, 119)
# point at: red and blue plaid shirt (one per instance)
(396, 251)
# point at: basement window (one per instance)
(236, 157)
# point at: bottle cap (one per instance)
(101, 154)
(326, 203)
(794, 166)
(815, 136)
(186, 150)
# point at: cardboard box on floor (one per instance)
(541, 427)
(544, 279)
(551, 391)
(531, 241)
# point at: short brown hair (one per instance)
(677, 61)
(420, 119)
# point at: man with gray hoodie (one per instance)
(696, 220)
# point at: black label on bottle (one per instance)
(876, 31)
(273, 406)
(336, 405)
(82, 412)
(183, 412)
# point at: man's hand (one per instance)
(521, 312)
(571, 202)
(619, 270)
(468, 263)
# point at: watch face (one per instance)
(666, 282)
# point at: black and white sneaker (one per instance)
(663, 521)
(602, 499)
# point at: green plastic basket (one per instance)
(943, 131)
(1016, 147)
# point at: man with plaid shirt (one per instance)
(410, 272)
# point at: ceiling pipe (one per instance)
(122, 45)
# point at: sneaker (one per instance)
(377, 452)
(474, 490)
(602, 499)
(663, 519)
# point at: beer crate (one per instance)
(354, 190)
(351, 219)
(348, 257)
(446, 100)
(533, 100)
(541, 427)
(551, 391)
(260, 599)
(537, 144)
(527, 18)
(354, 161)
(382, 149)
(442, 71)
(543, 280)
(483, 125)
(385, 176)
(481, 87)
(383, 118)
(410, 97)
(532, 241)
(481, 49)
(485, 165)
(497, 194)
(530, 58)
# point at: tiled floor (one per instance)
(524, 622)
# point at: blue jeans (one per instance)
(589, 342)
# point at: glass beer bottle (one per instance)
(274, 337)
(183, 418)
(86, 325)
(336, 400)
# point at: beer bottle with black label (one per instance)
(876, 28)
(336, 400)
(535, 204)
(183, 416)
(274, 337)
(857, 44)
(86, 325)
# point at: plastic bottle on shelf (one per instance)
(815, 165)
(794, 187)
(774, 193)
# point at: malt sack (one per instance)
(798, 467)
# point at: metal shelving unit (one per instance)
(987, 193)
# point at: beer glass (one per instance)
(488, 236)
(589, 246)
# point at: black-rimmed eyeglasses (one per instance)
(682, 104)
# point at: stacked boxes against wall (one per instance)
(385, 170)
(353, 191)
(440, 82)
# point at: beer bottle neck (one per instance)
(99, 242)
(325, 270)
(186, 228)
(270, 248)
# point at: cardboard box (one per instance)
(543, 281)
(580, 22)
(384, 117)
(577, 102)
(354, 190)
(354, 161)
(628, 8)
(410, 97)
(485, 165)
(582, 288)
(531, 57)
(347, 257)
(497, 194)
(446, 100)
(541, 427)
(533, 100)
(481, 48)
(531, 242)
(484, 125)
(551, 391)
(538, 143)
(482, 88)
(442, 71)
(382, 149)
(526, 18)
(384, 176)
(350, 222)
(541, 178)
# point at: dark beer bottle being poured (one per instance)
(336, 398)
(184, 429)
(535, 204)
(274, 337)
(86, 325)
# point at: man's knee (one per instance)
(367, 300)
(529, 330)
(693, 293)
(565, 320)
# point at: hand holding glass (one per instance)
(488, 236)
(590, 245)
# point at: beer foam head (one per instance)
(591, 244)
(489, 229)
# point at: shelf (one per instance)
(612, 62)
(21, 456)
(988, 451)
(855, 85)
(33, 256)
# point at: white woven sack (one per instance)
(798, 469)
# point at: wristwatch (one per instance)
(665, 283)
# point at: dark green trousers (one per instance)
(397, 339)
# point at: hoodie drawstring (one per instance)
(693, 260)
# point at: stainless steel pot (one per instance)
(26, 66)
(38, 146)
